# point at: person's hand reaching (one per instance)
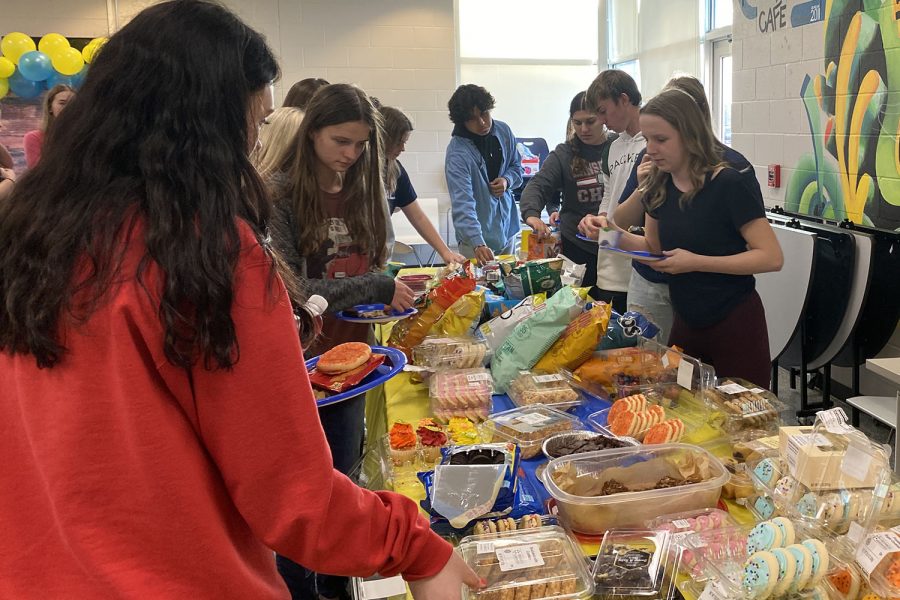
(447, 584)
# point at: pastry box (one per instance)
(549, 389)
(461, 393)
(451, 353)
(529, 426)
(626, 487)
(635, 563)
(537, 564)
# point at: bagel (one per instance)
(344, 357)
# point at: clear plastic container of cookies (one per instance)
(549, 389)
(529, 426)
(461, 393)
(879, 558)
(744, 405)
(625, 487)
(537, 564)
(635, 562)
(451, 353)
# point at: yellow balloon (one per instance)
(53, 43)
(68, 61)
(4, 87)
(90, 51)
(7, 67)
(16, 44)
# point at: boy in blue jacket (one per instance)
(482, 167)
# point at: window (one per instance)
(722, 14)
(720, 95)
(533, 62)
(633, 68)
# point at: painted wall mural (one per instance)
(853, 109)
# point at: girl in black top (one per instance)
(712, 229)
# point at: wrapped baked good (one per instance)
(745, 406)
(542, 388)
(529, 426)
(461, 393)
(451, 353)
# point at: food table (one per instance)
(403, 402)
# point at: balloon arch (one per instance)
(27, 69)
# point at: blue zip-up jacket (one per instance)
(478, 217)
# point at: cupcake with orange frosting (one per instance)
(402, 440)
(432, 438)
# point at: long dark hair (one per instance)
(579, 163)
(363, 184)
(158, 134)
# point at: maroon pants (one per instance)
(737, 346)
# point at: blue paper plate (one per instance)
(394, 316)
(585, 238)
(637, 254)
(394, 361)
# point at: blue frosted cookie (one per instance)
(787, 571)
(820, 560)
(760, 575)
(768, 471)
(764, 536)
(804, 561)
(764, 507)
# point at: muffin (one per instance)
(432, 438)
(402, 443)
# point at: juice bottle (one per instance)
(410, 333)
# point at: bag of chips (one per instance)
(463, 316)
(533, 277)
(535, 248)
(577, 342)
(531, 338)
(497, 329)
(624, 330)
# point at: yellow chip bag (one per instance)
(462, 318)
(577, 342)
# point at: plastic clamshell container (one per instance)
(648, 363)
(577, 442)
(451, 353)
(537, 564)
(879, 555)
(529, 426)
(744, 405)
(698, 549)
(703, 519)
(461, 393)
(582, 509)
(633, 563)
(549, 389)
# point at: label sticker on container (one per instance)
(856, 463)
(476, 377)
(547, 378)
(732, 388)
(682, 524)
(633, 559)
(383, 588)
(794, 443)
(534, 419)
(758, 391)
(685, 374)
(714, 590)
(834, 420)
(513, 558)
(876, 547)
(665, 360)
(484, 547)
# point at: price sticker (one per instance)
(834, 420)
(514, 558)
(682, 524)
(758, 391)
(534, 419)
(547, 378)
(732, 388)
(484, 547)
(856, 463)
(685, 376)
(476, 377)
(665, 360)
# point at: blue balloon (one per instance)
(35, 66)
(23, 88)
(58, 78)
(78, 78)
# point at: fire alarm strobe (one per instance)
(774, 176)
